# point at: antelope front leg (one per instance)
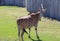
(36, 31)
(22, 34)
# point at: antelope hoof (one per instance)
(38, 37)
(29, 36)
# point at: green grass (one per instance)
(48, 30)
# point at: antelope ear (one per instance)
(39, 9)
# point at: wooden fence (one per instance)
(53, 7)
(13, 2)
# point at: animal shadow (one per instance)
(34, 39)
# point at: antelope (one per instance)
(28, 21)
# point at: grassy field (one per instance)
(48, 30)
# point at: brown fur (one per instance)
(28, 21)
